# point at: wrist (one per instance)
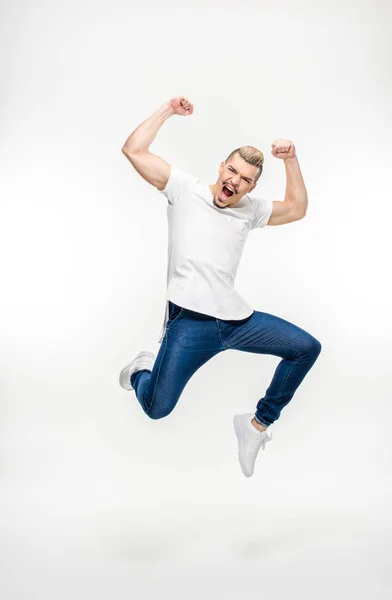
(291, 159)
(168, 110)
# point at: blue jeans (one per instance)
(192, 338)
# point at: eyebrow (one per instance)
(243, 177)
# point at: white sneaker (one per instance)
(249, 442)
(144, 360)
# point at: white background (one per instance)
(97, 500)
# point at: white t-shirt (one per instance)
(205, 244)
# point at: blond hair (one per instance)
(251, 155)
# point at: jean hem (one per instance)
(261, 422)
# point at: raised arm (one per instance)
(295, 201)
(151, 167)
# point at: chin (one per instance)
(219, 205)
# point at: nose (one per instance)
(236, 179)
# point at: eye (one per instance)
(232, 170)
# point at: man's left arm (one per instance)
(295, 202)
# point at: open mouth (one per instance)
(227, 192)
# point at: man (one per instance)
(205, 315)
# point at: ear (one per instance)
(253, 187)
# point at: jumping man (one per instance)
(204, 314)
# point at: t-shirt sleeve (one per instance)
(263, 211)
(177, 183)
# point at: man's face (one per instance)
(238, 175)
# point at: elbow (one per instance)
(128, 150)
(303, 211)
(300, 215)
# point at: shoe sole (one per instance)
(237, 430)
(142, 353)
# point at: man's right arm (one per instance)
(151, 167)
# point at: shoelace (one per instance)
(261, 441)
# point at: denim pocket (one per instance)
(175, 311)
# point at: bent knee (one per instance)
(311, 346)
(315, 346)
(158, 414)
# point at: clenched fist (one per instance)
(283, 149)
(181, 106)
